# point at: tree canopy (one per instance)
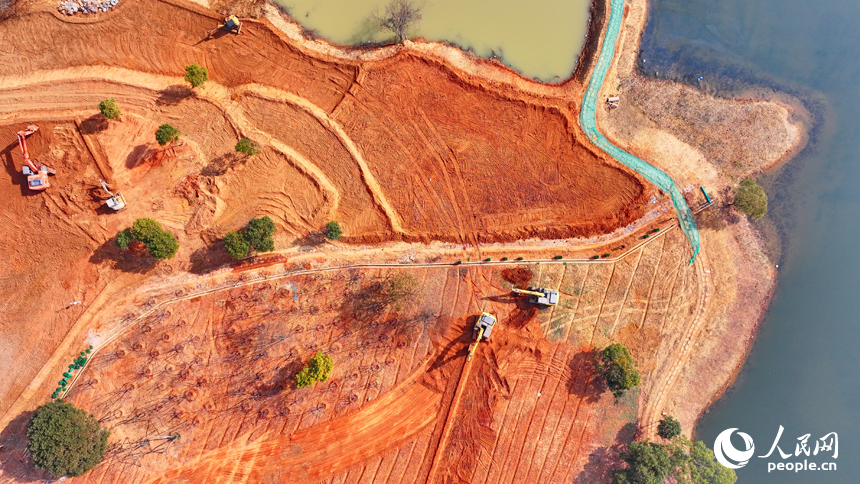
(333, 230)
(668, 428)
(65, 440)
(247, 147)
(160, 243)
(617, 367)
(109, 109)
(751, 199)
(318, 369)
(236, 245)
(257, 235)
(196, 75)
(166, 134)
(686, 462)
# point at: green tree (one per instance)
(65, 440)
(163, 246)
(145, 229)
(236, 244)
(123, 238)
(668, 428)
(647, 463)
(166, 134)
(259, 234)
(247, 147)
(196, 75)
(333, 230)
(109, 109)
(160, 243)
(751, 199)
(319, 368)
(617, 367)
(694, 463)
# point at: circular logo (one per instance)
(725, 452)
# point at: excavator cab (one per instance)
(539, 295)
(481, 332)
(231, 24)
(36, 172)
(116, 202)
(36, 180)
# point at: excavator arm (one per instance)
(36, 173)
(531, 293)
(22, 143)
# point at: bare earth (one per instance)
(429, 157)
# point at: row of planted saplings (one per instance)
(77, 364)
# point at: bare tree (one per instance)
(399, 17)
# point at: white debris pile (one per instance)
(71, 7)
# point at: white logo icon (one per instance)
(725, 452)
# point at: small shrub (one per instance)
(196, 75)
(457, 263)
(558, 257)
(596, 257)
(487, 259)
(645, 236)
(503, 259)
(65, 440)
(318, 368)
(333, 230)
(751, 199)
(123, 238)
(606, 255)
(519, 258)
(668, 428)
(109, 109)
(166, 134)
(236, 244)
(247, 147)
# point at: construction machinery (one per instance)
(115, 202)
(481, 331)
(539, 295)
(231, 24)
(36, 173)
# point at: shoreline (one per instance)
(795, 118)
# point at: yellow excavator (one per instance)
(231, 24)
(539, 295)
(481, 331)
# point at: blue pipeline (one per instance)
(588, 120)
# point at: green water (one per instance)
(539, 38)
(803, 372)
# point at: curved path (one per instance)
(588, 120)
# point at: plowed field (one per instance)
(398, 148)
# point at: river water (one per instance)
(803, 373)
(539, 38)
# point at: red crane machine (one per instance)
(36, 173)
